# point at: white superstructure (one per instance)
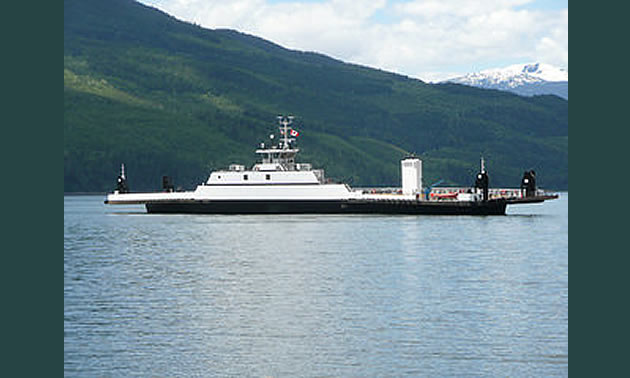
(276, 177)
(411, 172)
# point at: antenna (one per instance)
(483, 166)
(284, 130)
(122, 171)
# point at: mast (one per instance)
(121, 182)
(282, 154)
(285, 129)
(482, 182)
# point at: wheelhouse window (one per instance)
(245, 177)
(267, 177)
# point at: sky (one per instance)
(431, 40)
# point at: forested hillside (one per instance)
(168, 97)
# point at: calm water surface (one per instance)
(314, 295)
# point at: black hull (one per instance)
(491, 207)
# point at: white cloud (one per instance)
(554, 46)
(427, 39)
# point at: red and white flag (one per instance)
(294, 133)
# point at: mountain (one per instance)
(523, 79)
(166, 97)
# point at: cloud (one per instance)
(427, 39)
(554, 46)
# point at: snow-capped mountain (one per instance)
(524, 79)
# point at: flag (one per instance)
(294, 133)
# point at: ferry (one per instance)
(278, 184)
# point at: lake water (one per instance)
(314, 295)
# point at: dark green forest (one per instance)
(166, 97)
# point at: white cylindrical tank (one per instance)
(411, 173)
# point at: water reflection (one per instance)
(313, 295)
